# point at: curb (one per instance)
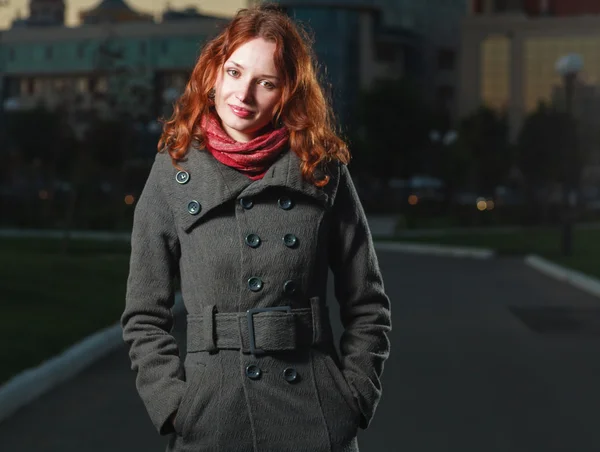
(32, 383)
(577, 279)
(436, 250)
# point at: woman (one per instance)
(249, 207)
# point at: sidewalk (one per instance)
(98, 411)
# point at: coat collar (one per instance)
(211, 184)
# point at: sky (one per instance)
(216, 7)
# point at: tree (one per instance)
(44, 142)
(391, 126)
(548, 154)
(483, 150)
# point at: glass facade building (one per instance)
(424, 33)
(337, 48)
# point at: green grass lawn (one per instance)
(50, 301)
(545, 242)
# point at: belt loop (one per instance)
(315, 308)
(208, 321)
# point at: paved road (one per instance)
(466, 374)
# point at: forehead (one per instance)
(255, 54)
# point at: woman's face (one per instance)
(247, 90)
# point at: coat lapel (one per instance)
(211, 184)
(286, 173)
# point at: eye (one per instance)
(267, 84)
(233, 72)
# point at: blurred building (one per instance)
(113, 11)
(438, 23)
(137, 68)
(535, 8)
(388, 38)
(186, 13)
(43, 13)
(354, 47)
(509, 51)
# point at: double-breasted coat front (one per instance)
(259, 381)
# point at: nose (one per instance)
(244, 92)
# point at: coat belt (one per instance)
(259, 331)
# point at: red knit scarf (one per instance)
(252, 158)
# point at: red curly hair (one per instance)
(303, 108)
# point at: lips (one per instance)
(241, 112)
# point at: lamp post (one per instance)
(569, 67)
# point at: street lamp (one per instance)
(569, 66)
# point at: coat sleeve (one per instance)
(364, 306)
(147, 319)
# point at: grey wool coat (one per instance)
(261, 381)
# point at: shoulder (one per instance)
(160, 173)
(165, 172)
(163, 164)
(339, 177)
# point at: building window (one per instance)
(446, 59)
(80, 51)
(82, 85)
(59, 84)
(38, 86)
(12, 55)
(142, 48)
(495, 72)
(27, 86)
(102, 85)
(49, 53)
(164, 45)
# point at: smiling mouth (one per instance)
(241, 112)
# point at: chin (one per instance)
(239, 126)
(242, 126)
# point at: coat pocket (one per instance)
(340, 382)
(194, 377)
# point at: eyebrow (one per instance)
(242, 67)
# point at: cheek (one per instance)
(270, 101)
(221, 88)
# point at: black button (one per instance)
(255, 284)
(290, 286)
(290, 240)
(290, 374)
(246, 203)
(285, 203)
(252, 240)
(253, 372)
(182, 177)
(194, 207)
